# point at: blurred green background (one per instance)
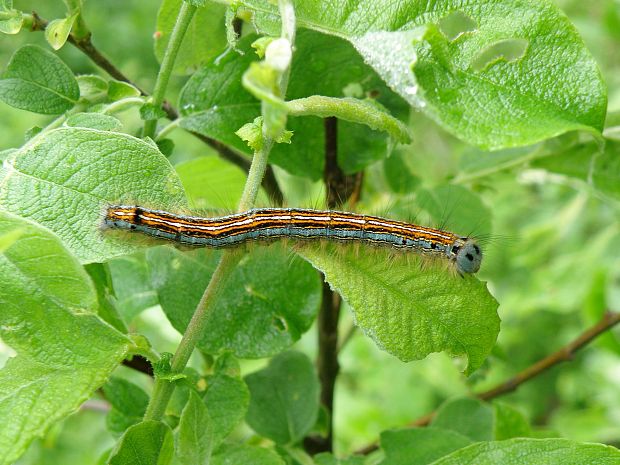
(552, 260)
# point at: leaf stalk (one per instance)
(184, 18)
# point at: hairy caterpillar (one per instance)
(306, 224)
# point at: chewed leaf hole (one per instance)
(280, 323)
(456, 24)
(508, 50)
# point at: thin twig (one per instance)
(86, 46)
(565, 354)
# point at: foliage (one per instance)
(486, 118)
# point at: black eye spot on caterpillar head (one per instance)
(468, 257)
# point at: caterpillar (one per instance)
(306, 224)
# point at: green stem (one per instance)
(163, 389)
(255, 176)
(163, 132)
(79, 29)
(350, 109)
(122, 105)
(167, 63)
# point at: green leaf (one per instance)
(197, 3)
(11, 20)
(574, 161)
(359, 147)
(241, 454)
(100, 276)
(325, 458)
(284, 398)
(470, 417)
(231, 35)
(149, 442)
(420, 446)
(214, 103)
(128, 403)
(132, 285)
(4, 154)
(7, 239)
(37, 80)
(588, 162)
(70, 175)
(268, 302)
(480, 421)
(195, 433)
(64, 351)
(252, 133)
(57, 31)
(78, 440)
(165, 146)
(118, 90)
(409, 309)
(149, 111)
(214, 183)
(93, 88)
(478, 67)
(227, 398)
(204, 40)
(94, 121)
(606, 170)
(534, 452)
(31, 132)
(398, 175)
(162, 368)
(509, 422)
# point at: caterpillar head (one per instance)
(468, 257)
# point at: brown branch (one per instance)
(565, 354)
(339, 189)
(85, 45)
